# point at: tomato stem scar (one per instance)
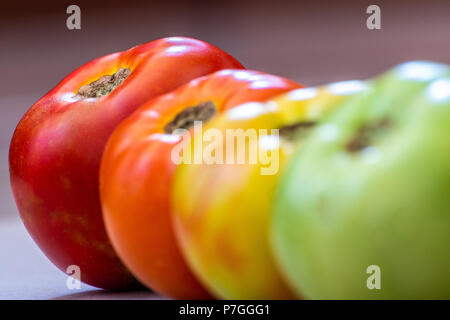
(104, 85)
(185, 119)
(366, 134)
(290, 131)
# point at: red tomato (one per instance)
(57, 146)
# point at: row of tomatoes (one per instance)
(95, 183)
(217, 213)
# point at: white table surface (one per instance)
(25, 273)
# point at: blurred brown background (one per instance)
(309, 41)
(312, 42)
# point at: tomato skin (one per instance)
(137, 171)
(340, 216)
(222, 212)
(56, 149)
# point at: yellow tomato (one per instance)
(223, 189)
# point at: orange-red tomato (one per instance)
(137, 171)
(56, 149)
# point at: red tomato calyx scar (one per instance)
(185, 119)
(103, 85)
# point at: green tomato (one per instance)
(370, 190)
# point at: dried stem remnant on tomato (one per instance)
(367, 134)
(291, 131)
(185, 119)
(104, 85)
